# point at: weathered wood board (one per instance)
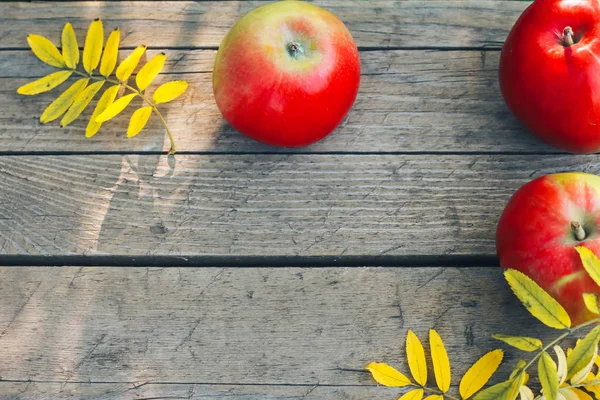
(287, 204)
(185, 24)
(244, 325)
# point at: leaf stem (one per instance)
(436, 391)
(139, 93)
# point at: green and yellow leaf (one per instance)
(415, 394)
(45, 50)
(63, 102)
(70, 48)
(539, 303)
(44, 84)
(115, 108)
(520, 342)
(111, 53)
(526, 393)
(562, 364)
(81, 102)
(480, 373)
(169, 91)
(416, 358)
(579, 394)
(441, 362)
(138, 120)
(107, 98)
(127, 66)
(507, 390)
(150, 71)
(584, 374)
(590, 263)
(386, 375)
(584, 352)
(92, 50)
(591, 303)
(547, 372)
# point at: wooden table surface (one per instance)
(242, 271)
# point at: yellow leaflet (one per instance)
(539, 303)
(125, 69)
(434, 397)
(169, 91)
(583, 375)
(507, 390)
(45, 50)
(111, 53)
(45, 84)
(520, 342)
(115, 108)
(562, 364)
(386, 375)
(416, 358)
(70, 48)
(107, 98)
(526, 393)
(63, 102)
(581, 395)
(149, 71)
(415, 394)
(584, 352)
(480, 373)
(441, 363)
(548, 376)
(590, 263)
(92, 50)
(80, 103)
(138, 121)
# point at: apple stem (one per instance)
(578, 230)
(567, 37)
(295, 49)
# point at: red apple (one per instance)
(550, 72)
(286, 74)
(539, 229)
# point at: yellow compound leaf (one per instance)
(386, 375)
(480, 373)
(520, 342)
(584, 374)
(111, 53)
(581, 395)
(45, 50)
(441, 363)
(416, 358)
(591, 303)
(63, 102)
(125, 69)
(70, 48)
(526, 393)
(81, 102)
(507, 390)
(539, 303)
(138, 121)
(150, 71)
(415, 394)
(584, 353)
(590, 263)
(547, 372)
(107, 98)
(92, 50)
(169, 91)
(44, 84)
(434, 397)
(115, 108)
(562, 364)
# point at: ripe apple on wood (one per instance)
(550, 72)
(286, 74)
(539, 229)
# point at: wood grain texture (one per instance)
(123, 391)
(409, 101)
(378, 23)
(296, 205)
(245, 326)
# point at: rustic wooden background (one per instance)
(243, 271)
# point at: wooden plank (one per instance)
(296, 205)
(245, 326)
(409, 101)
(378, 23)
(110, 391)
